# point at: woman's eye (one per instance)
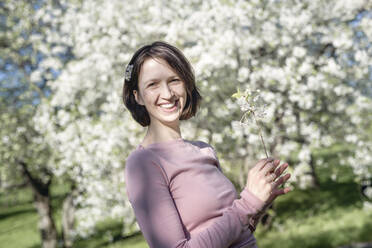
(175, 80)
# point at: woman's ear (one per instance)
(137, 97)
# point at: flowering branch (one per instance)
(249, 102)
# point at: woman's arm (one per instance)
(159, 219)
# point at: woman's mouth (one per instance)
(169, 107)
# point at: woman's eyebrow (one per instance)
(156, 79)
(174, 76)
(150, 80)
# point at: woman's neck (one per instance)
(161, 133)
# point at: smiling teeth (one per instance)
(169, 105)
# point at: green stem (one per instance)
(260, 132)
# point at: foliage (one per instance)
(29, 57)
(313, 75)
(21, 143)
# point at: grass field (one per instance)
(329, 217)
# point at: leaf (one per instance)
(237, 94)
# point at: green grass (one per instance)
(18, 226)
(329, 217)
(340, 226)
(108, 234)
(18, 220)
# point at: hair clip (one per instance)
(128, 72)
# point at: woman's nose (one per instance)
(166, 91)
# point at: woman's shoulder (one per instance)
(139, 156)
(142, 163)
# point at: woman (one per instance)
(176, 187)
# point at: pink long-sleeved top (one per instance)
(181, 198)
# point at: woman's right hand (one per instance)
(265, 178)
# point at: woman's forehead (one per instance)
(155, 68)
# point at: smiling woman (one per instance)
(173, 65)
(176, 187)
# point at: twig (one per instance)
(260, 132)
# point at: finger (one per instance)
(268, 167)
(270, 177)
(261, 164)
(276, 163)
(278, 192)
(271, 197)
(281, 180)
(281, 169)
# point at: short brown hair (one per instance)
(175, 58)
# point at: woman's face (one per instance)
(161, 91)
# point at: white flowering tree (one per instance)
(313, 68)
(85, 120)
(28, 60)
(308, 58)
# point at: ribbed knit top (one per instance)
(181, 198)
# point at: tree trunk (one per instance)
(42, 203)
(314, 177)
(68, 219)
(46, 222)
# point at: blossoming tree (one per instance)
(28, 60)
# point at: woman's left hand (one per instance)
(276, 192)
(278, 180)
